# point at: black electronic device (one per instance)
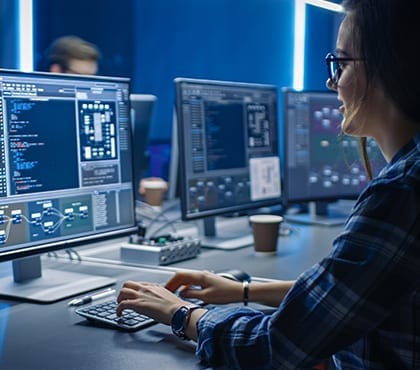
(320, 165)
(142, 113)
(236, 275)
(65, 175)
(228, 153)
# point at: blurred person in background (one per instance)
(71, 54)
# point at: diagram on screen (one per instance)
(44, 219)
(98, 134)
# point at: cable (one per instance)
(71, 252)
(164, 226)
(160, 214)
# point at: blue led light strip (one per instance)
(299, 36)
(25, 49)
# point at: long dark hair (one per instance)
(385, 33)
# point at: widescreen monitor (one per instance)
(228, 150)
(321, 165)
(65, 175)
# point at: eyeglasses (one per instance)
(334, 67)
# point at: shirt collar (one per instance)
(407, 148)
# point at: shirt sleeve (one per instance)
(238, 337)
(373, 266)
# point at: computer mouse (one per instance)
(235, 274)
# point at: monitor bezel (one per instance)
(235, 209)
(41, 247)
(140, 143)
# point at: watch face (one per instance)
(178, 321)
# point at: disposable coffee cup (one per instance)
(154, 191)
(265, 229)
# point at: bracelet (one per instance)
(245, 285)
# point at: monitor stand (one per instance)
(319, 214)
(32, 283)
(232, 237)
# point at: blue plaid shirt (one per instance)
(360, 304)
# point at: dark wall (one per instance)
(107, 23)
(9, 34)
(154, 41)
(321, 34)
(246, 40)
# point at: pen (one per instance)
(91, 298)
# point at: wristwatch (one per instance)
(180, 320)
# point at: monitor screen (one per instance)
(228, 147)
(320, 164)
(65, 170)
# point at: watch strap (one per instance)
(180, 320)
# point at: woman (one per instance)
(360, 303)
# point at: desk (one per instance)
(53, 337)
(296, 252)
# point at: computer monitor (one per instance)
(320, 165)
(174, 178)
(65, 175)
(142, 110)
(228, 152)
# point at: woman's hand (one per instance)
(206, 286)
(150, 299)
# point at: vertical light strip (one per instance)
(299, 39)
(325, 5)
(299, 45)
(26, 57)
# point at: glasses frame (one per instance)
(334, 74)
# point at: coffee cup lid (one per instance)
(266, 219)
(154, 184)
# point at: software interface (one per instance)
(320, 163)
(65, 168)
(229, 148)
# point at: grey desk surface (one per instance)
(52, 336)
(296, 252)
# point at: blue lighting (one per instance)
(25, 16)
(299, 36)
